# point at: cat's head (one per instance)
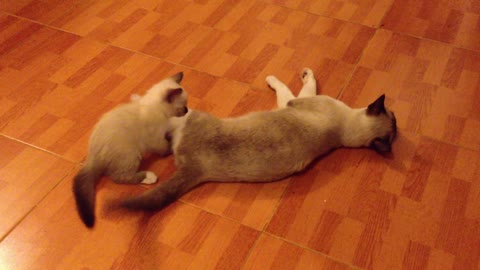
(383, 126)
(168, 94)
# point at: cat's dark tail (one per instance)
(84, 190)
(162, 195)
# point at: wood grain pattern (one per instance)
(122, 241)
(454, 22)
(64, 63)
(274, 253)
(244, 41)
(27, 175)
(368, 12)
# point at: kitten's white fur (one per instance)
(150, 178)
(121, 138)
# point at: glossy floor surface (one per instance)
(64, 63)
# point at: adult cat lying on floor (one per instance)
(122, 136)
(266, 146)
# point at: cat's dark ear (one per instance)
(380, 145)
(172, 94)
(377, 107)
(178, 77)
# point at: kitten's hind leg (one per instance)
(309, 88)
(150, 178)
(125, 171)
(141, 177)
(284, 95)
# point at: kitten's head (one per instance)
(168, 94)
(383, 126)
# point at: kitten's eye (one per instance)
(181, 111)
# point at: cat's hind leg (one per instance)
(165, 193)
(284, 95)
(309, 88)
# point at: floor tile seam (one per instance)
(259, 232)
(220, 215)
(356, 65)
(455, 46)
(380, 24)
(249, 85)
(312, 250)
(460, 147)
(40, 149)
(277, 205)
(378, 27)
(250, 251)
(33, 207)
(324, 16)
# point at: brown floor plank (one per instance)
(64, 63)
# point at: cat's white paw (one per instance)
(272, 81)
(150, 178)
(307, 75)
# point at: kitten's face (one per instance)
(170, 95)
(384, 128)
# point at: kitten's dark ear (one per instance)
(178, 77)
(381, 146)
(377, 107)
(172, 94)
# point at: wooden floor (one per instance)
(64, 63)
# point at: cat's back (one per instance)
(121, 116)
(199, 125)
(119, 125)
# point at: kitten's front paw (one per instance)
(150, 178)
(307, 75)
(272, 81)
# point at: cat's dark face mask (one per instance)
(383, 144)
(182, 111)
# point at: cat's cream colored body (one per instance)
(264, 146)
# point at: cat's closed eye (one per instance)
(381, 144)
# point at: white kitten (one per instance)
(123, 135)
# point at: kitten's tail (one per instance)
(84, 191)
(162, 195)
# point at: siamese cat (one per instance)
(122, 136)
(266, 146)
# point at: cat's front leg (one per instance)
(309, 88)
(284, 95)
